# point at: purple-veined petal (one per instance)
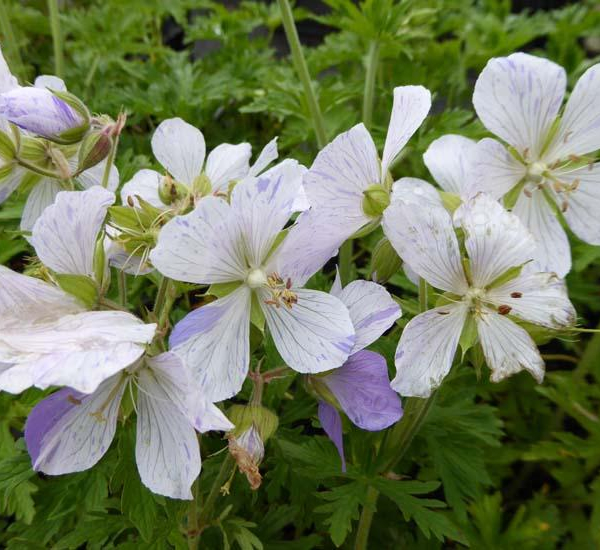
(180, 149)
(332, 424)
(372, 310)
(518, 97)
(411, 105)
(262, 206)
(15, 378)
(362, 388)
(507, 347)
(144, 184)
(167, 452)
(202, 246)
(50, 81)
(64, 236)
(70, 431)
(8, 82)
(227, 163)
(552, 249)
(423, 236)
(426, 349)
(213, 342)
(94, 175)
(41, 196)
(10, 181)
(313, 335)
(417, 191)
(539, 298)
(339, 175)
(495, 239)
(579, 129)
(449, 159)
(495, 170)
(266, 157)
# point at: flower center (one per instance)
(256, 278)
(281, 292)
(474, 295)
(536, 172)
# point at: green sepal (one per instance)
(94, 149)
(509, 275)
(34, 150)
(257, 317)
(366, 229)
(220, 290)
(450, 201)
(243, 416)
(8, 151)
(550, 135)
(446, 299)
(278, 240)
(82, 287)
(124, 217)
(6, 170)
(385, 262)
(375, 200)
(510, 199)
(201, 186)
(100, 271)
(468, 336)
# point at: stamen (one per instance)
(504, 310)
(281, 292)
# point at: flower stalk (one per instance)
(370, 77)
(57, 38)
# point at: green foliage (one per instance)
(495, 466)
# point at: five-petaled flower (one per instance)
(496, 242)
(518, 98)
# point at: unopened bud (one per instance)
(245, 462)
(376, 200)
(253, 444)
(246, 416)
(385, 262)
(57, 116)
(94, 149)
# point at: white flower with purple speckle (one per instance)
(518, 98)
(496, 242)
(70, 431)
(239, 244)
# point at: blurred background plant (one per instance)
(496, 465)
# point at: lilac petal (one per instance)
(362, 388)
(332, 424)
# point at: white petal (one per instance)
(552, 252)
(314, 335)
(307, 247)
(41, 196)
(301, 200)
(495, 170)
(411, 105)
(583, 205)
(448, 158)
(372, 310)
(145, 184)
(339, 175)
(166, 450)
(11, 181)
(180, 149)
(227, 163)
(266, 157)
(426, 350)
(495, 239)
(15, 378)
(416, 191)
(423, 236)
(70, 432)
(507, 347)
(579, 129)
(202, 246)
(64, 236)
(213, 342)
(539, 298)
(518, 97)
(25, 299)
(50, 81)
(208, 417)
(94, 176)
(262, 206)
(7, 81)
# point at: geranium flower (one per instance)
(496, 242)
(518, 98)
(181, 151)
(220, 243)
(347, 181)
(361, 386)
(70, 431)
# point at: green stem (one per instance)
(57, 39)
(193, 533)
(10, 42)
(589, 358)
(345, 261)
(366, 518)
(291, 33)
(423, 305)
(37, 169)
(206, 514)
(122, 287)
(369, 93)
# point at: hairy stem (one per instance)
(369, 93)
(57, 39)
(366, 518)
(122, 287)
(291, 33)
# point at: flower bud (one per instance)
(57, 116)
(94, 149)
(171, 191)
(252, 443)
(246, 416)
(376, 200)
(385, 262)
